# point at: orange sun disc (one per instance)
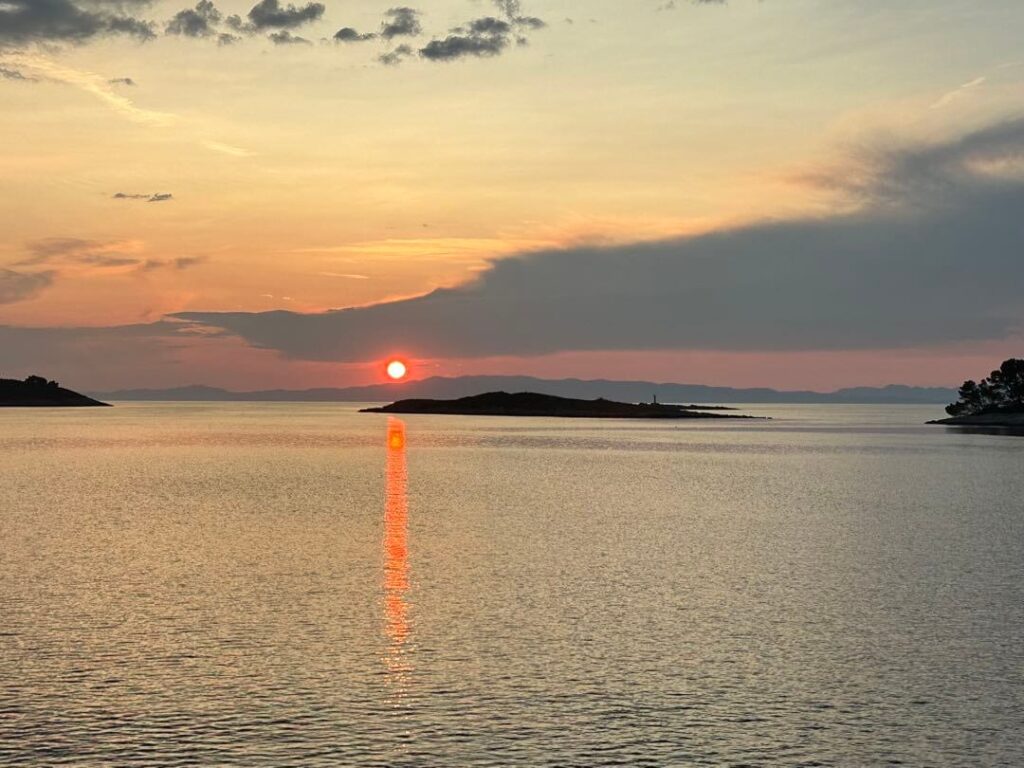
(397, 370)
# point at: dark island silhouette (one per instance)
(996, 401)
(534, 404)
(37, 392)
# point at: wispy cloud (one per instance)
(227, 149)
(948, 98)
(40, 67)
(20, 286)
(96, 85)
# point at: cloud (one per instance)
(105, 353)
(513, 11)
(185, 262)
(179, 263)
(484, 37)
(284, 37)
(14, 74)
(158, 197)
(269, 14)
(670, 5)
(19, 286)
(26, 22)
(89, 82)
(401, 22)
(227, 149)
(69, 248)
(64, 255)
(948, 98)
(396, 56)
(349, 35)
(200, 21)
(71, 252)
(942, 264)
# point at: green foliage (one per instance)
(1002, 390)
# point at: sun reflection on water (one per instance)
(397, 623)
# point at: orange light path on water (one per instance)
(396, 549)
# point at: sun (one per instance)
(396, 370)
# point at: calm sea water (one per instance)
(302, 585)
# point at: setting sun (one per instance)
(397, 370)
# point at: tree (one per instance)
(1002, 390)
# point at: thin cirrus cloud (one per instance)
(933, 257)
(41, 67)
(52, 257)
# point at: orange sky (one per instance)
(311, 177)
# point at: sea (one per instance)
(218, 584)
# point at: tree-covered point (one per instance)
(1003, 390)
(38, 391)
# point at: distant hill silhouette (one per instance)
(534, 404)
(37, 392)
(625, 391)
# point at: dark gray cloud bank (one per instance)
(27, 22)
(934, 257)
(24, 22)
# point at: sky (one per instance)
(786, 193)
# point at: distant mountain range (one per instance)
(624, 391)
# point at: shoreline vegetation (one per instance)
(534, 404)
(995, 401)
(37, 392)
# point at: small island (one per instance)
(997, 401)
(534, 404)
(37, 392)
